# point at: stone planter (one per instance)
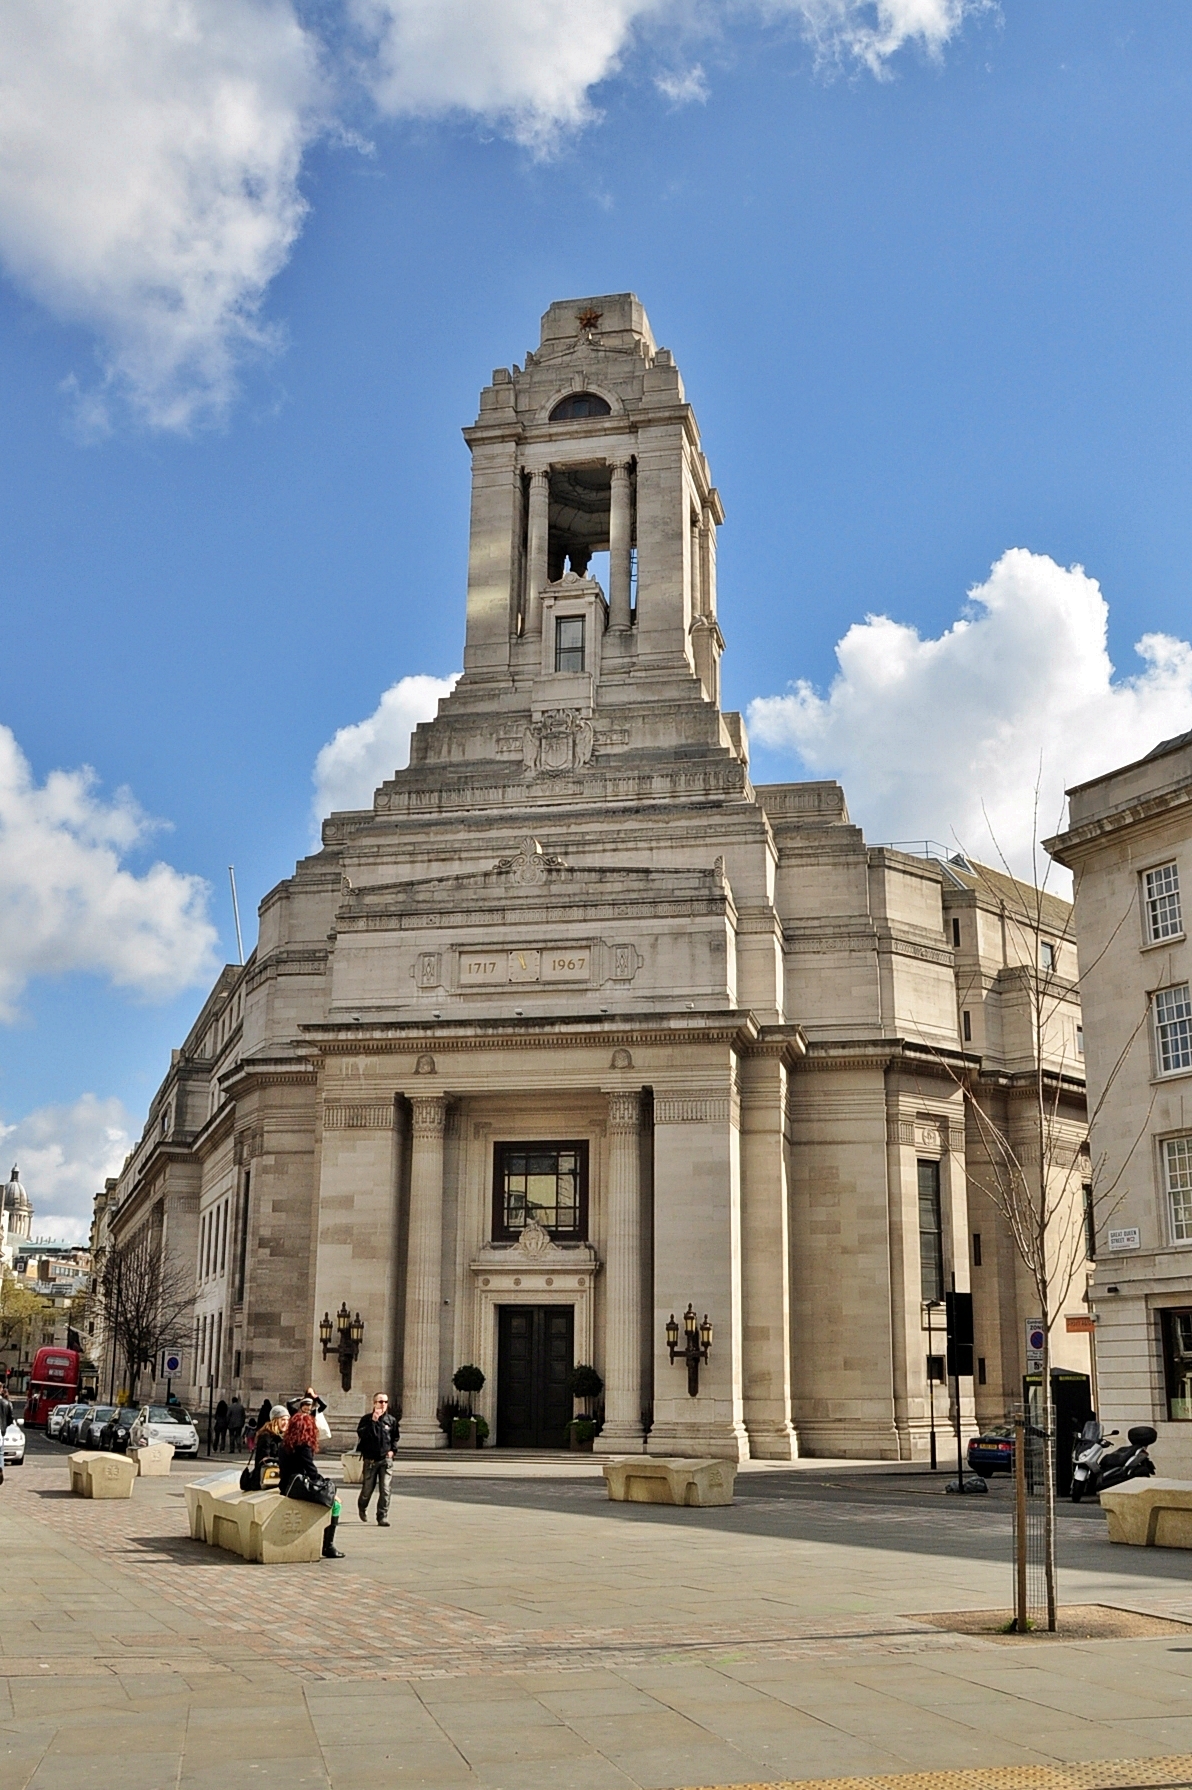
(579, 1444)
(468, 1439)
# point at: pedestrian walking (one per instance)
(221, 1426)
(297, 1458)
(235, 1424)
(377, 1433)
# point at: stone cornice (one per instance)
(888, 1053)
(1064, 847)
(737, 1028)
(269, 1072)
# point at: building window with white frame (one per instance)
(1177, 1175)
(1047, 958)
(1173, 1028)
(1161, 897)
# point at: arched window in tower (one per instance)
(578, 405)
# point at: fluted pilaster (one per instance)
(424, 1291)
(536, 556)
(622, 1430)
(620, 541)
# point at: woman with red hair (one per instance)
(299, 1446)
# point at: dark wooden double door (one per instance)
(534, 1358)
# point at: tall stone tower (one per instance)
(590, 448)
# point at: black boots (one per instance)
(330, 1551)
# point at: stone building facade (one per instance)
(576, 1026)
(1129, 843)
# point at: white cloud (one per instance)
(526, 63)
(64, 1154)
(922, 732)
(149, 161)
(151, 150)
(872, 32)
(683, 87)
(360, 757)
(66, 901)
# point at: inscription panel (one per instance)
(497, 967)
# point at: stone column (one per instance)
(536, 554)
(620, 533)
(622, 1432)
(424, 1274)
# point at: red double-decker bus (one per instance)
(53, 1380)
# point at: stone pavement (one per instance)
(513, 1629)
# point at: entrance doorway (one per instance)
(534, 1358)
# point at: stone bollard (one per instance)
(153, 1460)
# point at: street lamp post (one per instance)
(697, 1342)
(347, 1348)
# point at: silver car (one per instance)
(172, 1423)
(14, 1445)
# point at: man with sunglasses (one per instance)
(377, 1434)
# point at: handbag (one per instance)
(312, 1488)
(323, 1427)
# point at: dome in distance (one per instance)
(15, 1197)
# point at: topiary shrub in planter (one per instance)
(584, 1382)
(581, 1432)
(463, 1432)
(481, 1431)
(468, 1379)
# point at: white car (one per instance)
(14, 1446)
(57, 1418)
(171, 1423)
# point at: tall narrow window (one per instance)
(981, 1375)
(1080, 1041)
(967, 1017)
(1177, 1172)
(1173, 1028)
(956, 933)
(569, 643)
(1177, 1364)
(1161, 897)
(976, 1249)
(931, 1236)
(1046, 954)
(1090, 1222)
(240, 1265)
(223, 1238)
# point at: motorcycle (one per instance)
(1098, 1466)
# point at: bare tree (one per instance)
(1036, 1179)
(145, 1299)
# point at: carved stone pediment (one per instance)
(535, 1253)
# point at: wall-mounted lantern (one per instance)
(697, 1341)
(347, 1349)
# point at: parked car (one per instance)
(173, 1423)
(57, 1419)
(91, 1423)
(72, 1428)
(992, 1451)
(14, 1445)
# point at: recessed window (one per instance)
(967, 1019)
(931, 1234)
(1177, 1174)
(1080, 1041)
(1046, 954)
(579, 405)
(976, 1249)
(1161, 899)
(569, 643)
(980, 1370)
(1177, 1364)
(1173, 1028)
(546, 1183)
(956, 932)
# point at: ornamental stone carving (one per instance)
(562, 740)
(535, 1240)
(528, 865)
(429, 1113)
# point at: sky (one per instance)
(924, 265)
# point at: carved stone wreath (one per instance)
(529, 864)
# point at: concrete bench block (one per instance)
(202, 1495)
(1150, 1513)
(639, 1479)
(353, 1466)
(287, 1531)
(94, 1474)
(152, 1461)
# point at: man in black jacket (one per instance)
(378, 1438)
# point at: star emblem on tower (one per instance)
(589, 319)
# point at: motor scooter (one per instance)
(1097, 1466)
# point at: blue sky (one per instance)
(929, 295)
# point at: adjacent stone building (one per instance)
(575, 1026)
(1129, 842)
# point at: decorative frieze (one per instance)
(358, 1116)
(693, 1108)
